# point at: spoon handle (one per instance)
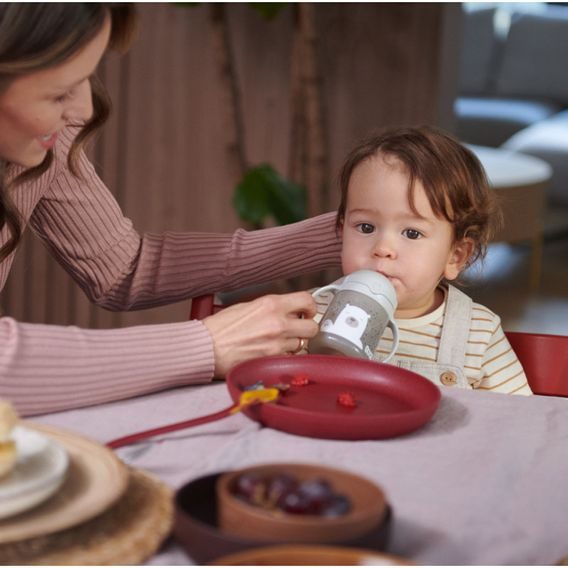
(247, 398)
(139, 436)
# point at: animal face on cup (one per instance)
(363, 306)
(350, 324)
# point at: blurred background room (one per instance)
(237, 99)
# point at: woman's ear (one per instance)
(459, 255)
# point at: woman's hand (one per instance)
(271, 325)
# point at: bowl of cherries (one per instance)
(298, 503)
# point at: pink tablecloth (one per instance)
(485, 482)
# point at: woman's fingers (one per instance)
(299, 303)
(270, 325)
(302, 342)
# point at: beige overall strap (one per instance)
(455, 330)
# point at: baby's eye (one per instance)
(412, 234)
(365, 228)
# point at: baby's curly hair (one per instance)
(453, 178)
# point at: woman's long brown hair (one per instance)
(36, 36)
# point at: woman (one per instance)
(50, 104)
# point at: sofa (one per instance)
(513, 89)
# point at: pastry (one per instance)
(8, 419)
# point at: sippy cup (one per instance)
(363, 306)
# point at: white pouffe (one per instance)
(547, 140)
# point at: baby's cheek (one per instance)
(397, 285)
(347, 263)
(352, 260)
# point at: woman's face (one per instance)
(34, 108)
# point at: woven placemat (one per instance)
(127, 533)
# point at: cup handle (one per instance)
(325, 289)
(394, 329)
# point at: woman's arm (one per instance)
(46, 368)
(83, 226)
(49, 368)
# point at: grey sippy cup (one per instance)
(363, 306)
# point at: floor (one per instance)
(503, 285)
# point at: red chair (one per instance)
(543, 357)
(203, 306)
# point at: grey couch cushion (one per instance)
(478, 49)
(534, 56)
(490, 121)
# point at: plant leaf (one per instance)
(268, 10)
(263, 193)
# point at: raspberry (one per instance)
(346, 399)
(300, 381)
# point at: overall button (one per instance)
(448, 378)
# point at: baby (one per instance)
(416, 207)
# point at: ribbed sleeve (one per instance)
(49, 368)
(82, 225)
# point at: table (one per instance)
(520, 182)
(483, 483)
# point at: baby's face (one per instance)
(382, 233)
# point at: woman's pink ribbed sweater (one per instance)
(45, 368)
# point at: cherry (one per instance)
(296, 503)
(278, 487)
(250, 487)
(318, 492)
(338, 505)
(287, 493)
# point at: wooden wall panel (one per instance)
(165, 153)
(263, 58)
(380, 69)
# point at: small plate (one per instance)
(95, 480)
(39, 472)
(308, 555)
(390, 401)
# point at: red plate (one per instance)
(389, 401)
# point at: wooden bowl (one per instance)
(197, 530)
(368, 508)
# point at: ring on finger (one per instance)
(301, 345)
